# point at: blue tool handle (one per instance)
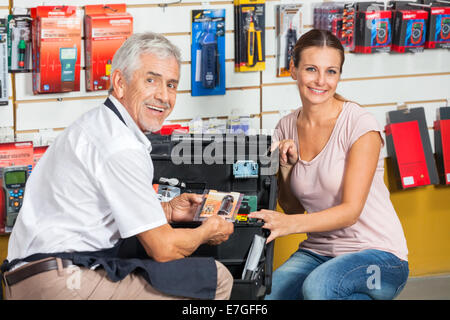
(209, 65)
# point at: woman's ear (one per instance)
(293, 69)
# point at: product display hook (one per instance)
(165, 5)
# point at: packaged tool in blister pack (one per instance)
(329, 16)
(410, 28)
(19, 43)
(373, 29)
(4, 96)
(56, 40)
(249, 35)
(106, 28)
(208, 52)
(348, 26)
(224, 204)
(288, 30)
(13, 155)
(438, 31)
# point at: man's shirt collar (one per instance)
(131, 124)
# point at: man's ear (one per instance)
(118, 82)
(293, 70)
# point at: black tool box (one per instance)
(198, 173)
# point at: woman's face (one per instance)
(317, 74)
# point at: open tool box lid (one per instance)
(198, 174)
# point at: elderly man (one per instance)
(93, 187)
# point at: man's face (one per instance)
(150, 94)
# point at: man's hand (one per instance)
(183, 207)
(219, 230)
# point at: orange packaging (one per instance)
(56, 41)
(106, 28)
(13, 154)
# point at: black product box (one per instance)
(207, 163)
(438, 32)
(412, 160)
(373, 29)
(410, 28)
(442, 144)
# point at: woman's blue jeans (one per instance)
(368, 274)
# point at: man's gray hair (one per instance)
(127, 57)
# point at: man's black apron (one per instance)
(192, 277)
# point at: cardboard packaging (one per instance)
(442, 144)
(106, 28)
(438, 32)
(249, 35)
(208, 52)
(289, 27)
(373, 30)
(408, 146)
(56, 42)
(13, 154)
(410, 28)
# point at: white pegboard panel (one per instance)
(6, 115)
(157, 19)
(270, 43)
(378, 91)
(280, 97)
(52, 114)
(384, 64)
(269, 121)
(379, 65)
(185, 77)
(396, 90)
(240, 79)
(188, 107)
(24, 89)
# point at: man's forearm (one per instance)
(166, 243)
(167, 210)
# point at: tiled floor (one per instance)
(426, 288)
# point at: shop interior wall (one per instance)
(379, 82)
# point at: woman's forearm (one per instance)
(334, 218)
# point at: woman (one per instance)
(330, 157)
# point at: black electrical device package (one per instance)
(408, 115)
(197, 174)
(440, 141)
(373, 29)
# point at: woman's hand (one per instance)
(278, 223)
(288, 151)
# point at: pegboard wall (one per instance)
(378, 81)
